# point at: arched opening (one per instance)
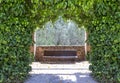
(19, 19)
(61, 39)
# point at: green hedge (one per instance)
(15, 41)
(104, 38)
(19, 18)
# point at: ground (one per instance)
(60, 73)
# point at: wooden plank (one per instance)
(60, 53)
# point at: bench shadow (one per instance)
(61, 62)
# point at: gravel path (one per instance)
(60, 73)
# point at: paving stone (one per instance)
(60, 73)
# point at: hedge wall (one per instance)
(19, 18)
(15, 41)
(104, 38)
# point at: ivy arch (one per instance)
(19, 18)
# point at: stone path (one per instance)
(60, 73)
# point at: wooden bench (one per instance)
(60, 53)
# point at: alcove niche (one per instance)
(61, 40)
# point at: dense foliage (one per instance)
(18, 19)
(49, 10)
(15, 41)
(104, 37)
(60, 33)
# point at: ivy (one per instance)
(104, 40)
(19, 19)
(15, 39)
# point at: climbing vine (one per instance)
(15, 39)
(19, 19)
(104, 37)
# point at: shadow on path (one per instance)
(60, 73)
